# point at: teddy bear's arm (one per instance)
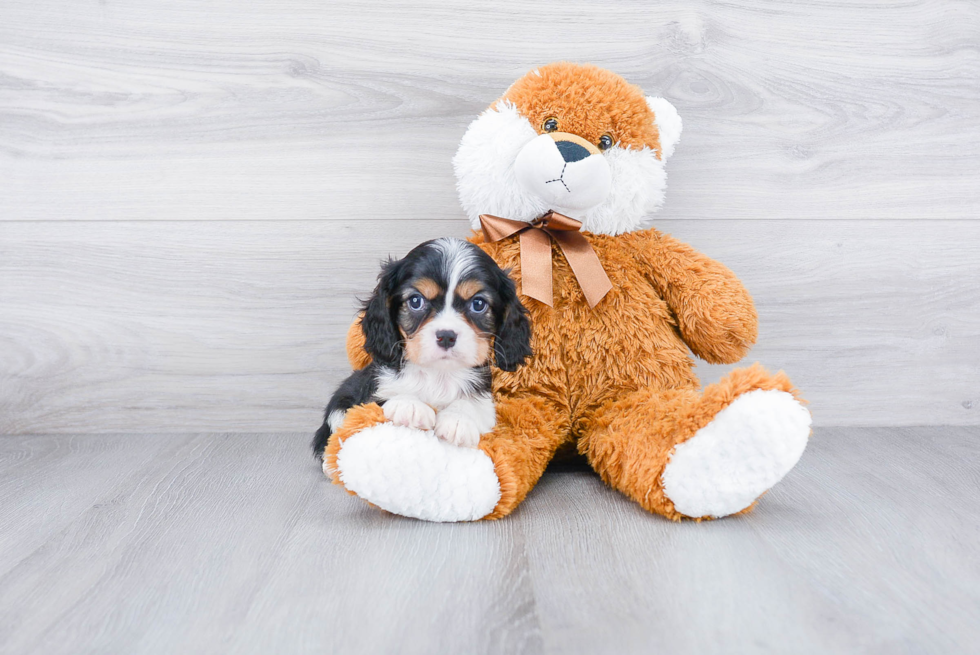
(355, 346)
(714, 311)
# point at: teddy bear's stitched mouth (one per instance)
(560, 178)
(578, 186)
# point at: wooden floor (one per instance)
(235, 543)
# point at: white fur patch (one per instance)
(668, 122)
(484, 166)
(746, 449)
(414, 474)
(567, 187)
(336, 419)
(410, 412)
(465, 420)
(433, 386)
(639, 186)
(487, 182)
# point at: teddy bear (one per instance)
(559, 178)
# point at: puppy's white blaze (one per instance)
(487, 181)
(458, 259)
(336, 419)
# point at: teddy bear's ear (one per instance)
(668, 123)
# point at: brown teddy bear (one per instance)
(559, 175)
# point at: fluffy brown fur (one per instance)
(625, 396)
(358, 418)
(588, 101)
(664, 418)
(615, 381)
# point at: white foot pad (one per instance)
(413, 473)
(747, 448)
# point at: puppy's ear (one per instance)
(512, 345)
(381, 337)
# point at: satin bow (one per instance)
(536, 278)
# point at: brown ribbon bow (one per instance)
(536, 254)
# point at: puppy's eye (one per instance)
(606, 142)
(416, 303)
(550, 124)
(479, 305)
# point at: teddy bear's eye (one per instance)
(550, 124)
(605, 142)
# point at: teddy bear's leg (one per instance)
(685, 453)
(413, 473)
(528, 432)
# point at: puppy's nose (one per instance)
(446, 339)
(571, 151)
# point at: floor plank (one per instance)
(56, 473)
(234, 543)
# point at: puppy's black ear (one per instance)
(381, 337)
(512, 345)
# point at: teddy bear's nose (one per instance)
(571, 151)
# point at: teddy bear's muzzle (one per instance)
(567, 172)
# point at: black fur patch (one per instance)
(359, 388)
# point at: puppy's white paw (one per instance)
(410, 412)
(457, 429)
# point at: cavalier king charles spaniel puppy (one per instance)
(430, 328)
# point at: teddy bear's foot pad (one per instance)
(746, 449)
(413, 473)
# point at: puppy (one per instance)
(430, 327)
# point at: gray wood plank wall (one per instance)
(191, 195)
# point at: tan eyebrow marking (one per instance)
(468, 289)
(428, 287)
